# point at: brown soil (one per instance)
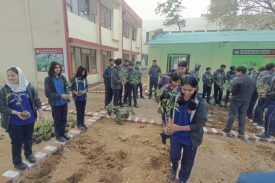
(109, 153)
(218, 119)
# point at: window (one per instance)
(105, 56)
(84, 8)
(69, 6)
(106, 17)
(75, 7)
(134, 34)
(84, 57)
(126, 29)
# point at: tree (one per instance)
(250, 14)
(171, 9)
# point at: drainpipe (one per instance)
(66, 29)
(29, 23)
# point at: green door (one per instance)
(174, 59)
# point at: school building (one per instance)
(73, 32)
(211, 49)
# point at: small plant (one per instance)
(43, 131)
(123, 75)
(228, 84)
(169, 105)
(121, 113)
(18, 99)
(262, 88)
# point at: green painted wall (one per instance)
(209, 54)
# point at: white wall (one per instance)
(80, 28)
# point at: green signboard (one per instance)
(252, 57)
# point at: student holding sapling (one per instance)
(56, 90)
(19, 103)
(186, 128)
(79, 86)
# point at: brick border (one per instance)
(14, 176)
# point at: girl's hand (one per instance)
(19, 114)
(172, 128)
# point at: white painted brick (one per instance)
(14, 175)
(255, 124)
(30, 165)
(205, 130)
(234, 133)
(41, 156)
(50, 148)
(62, 143)
(136, 119)
(214, 131)
(151, 121)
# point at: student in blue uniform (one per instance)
(19, 103)
(56, 90)
(186, 128)
(79, 85)
(107, 74)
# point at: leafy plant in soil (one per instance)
(262, 88)
(123, 75)
(71, 120)
(228, 85)
(18, 99)
(43, 131)
(121, 113)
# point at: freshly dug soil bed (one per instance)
(218, 119)
(113, 153)
(110, 153)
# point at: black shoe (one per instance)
(80, 127)
(85, 126)
(149, 97)
(66, 136)
(263, 135)
(163, 138)
(142, 97)
(21, 166)
(227, 132)
(242, 137)
(136, 106)
(60, 139)
(172, 174)
(31, 158)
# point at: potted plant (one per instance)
(123, 75)
(262, 88)
(18, 99)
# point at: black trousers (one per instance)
(80, 106)
(153, 83)
(108, 94)
(218, 93)
(252, 103)
(20, 135)
(59, 114)
(132, 94)
(206, 91)
(227, 96)
(139, 85)
(126, 93)
(117, 96)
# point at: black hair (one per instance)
(190, 80)
(13, 69)
(182, 64)
(232, 68)
(242, 69)
(118, 61)
(154, 60)
(208, 68)
(79, 71)
(261, 69)
(223, 66)
(175, 76)
(172, 71)
(138, 62)
(126, 60)
(111, 59)
(269, 66)
(52, 67)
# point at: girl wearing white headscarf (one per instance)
(19, 103)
